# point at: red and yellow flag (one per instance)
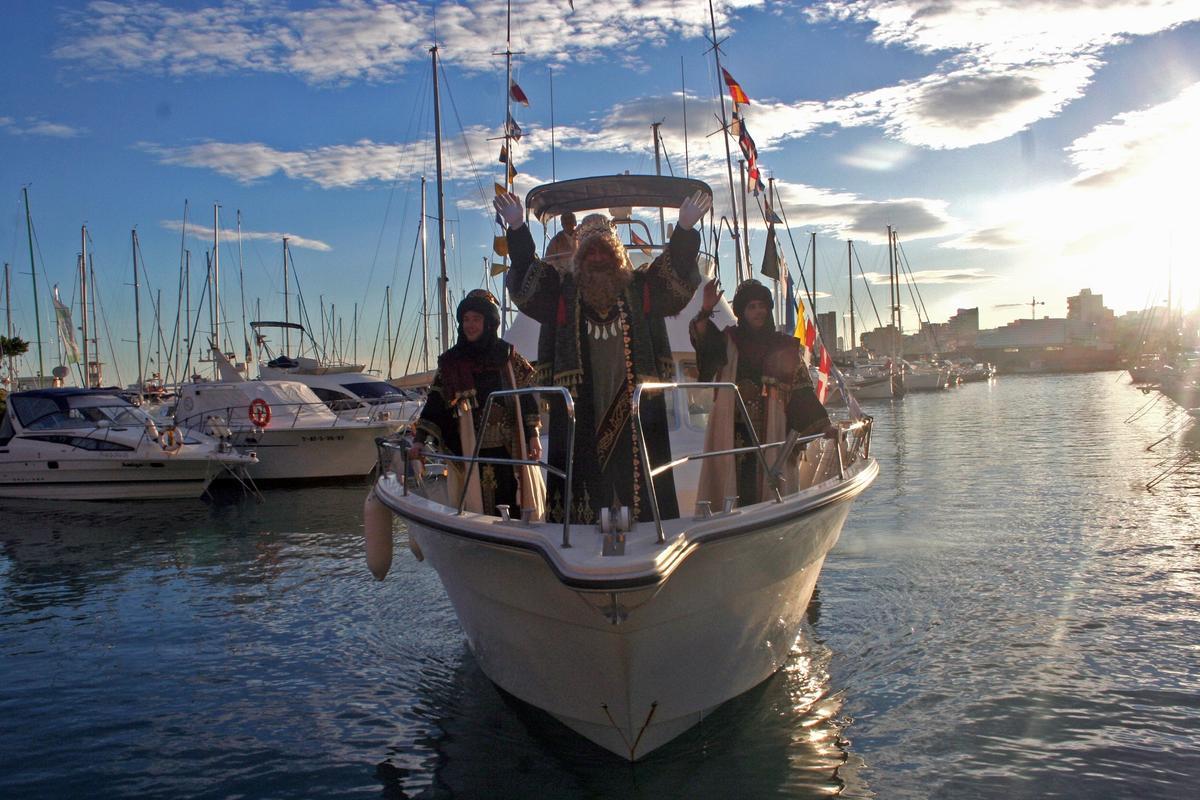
(735, 89)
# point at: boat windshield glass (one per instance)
(373, 389)
(83, 411)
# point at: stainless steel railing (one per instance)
(474, 458)
(862, 441)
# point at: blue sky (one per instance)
(1020, 148)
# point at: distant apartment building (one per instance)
(1084, 341)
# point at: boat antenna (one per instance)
(716, 51)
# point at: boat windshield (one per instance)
(371, 390)
(81, 411)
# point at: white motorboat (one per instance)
(86, 444)
(346, 388)
(630, 633)
(293, 432)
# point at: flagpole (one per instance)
(778, 277)
(745, 218)
(508, 164)
(683, 89)
(737, 248)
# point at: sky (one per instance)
(1021, 150)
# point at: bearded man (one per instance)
(603, 332)
(773, 381)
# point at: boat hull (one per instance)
(101, 479)
(344, 451)
(631, 670)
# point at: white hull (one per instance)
(344, 451)
(101, 478)
(871, 389)
(925, 381)
(631, 667)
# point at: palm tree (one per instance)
(11, 347)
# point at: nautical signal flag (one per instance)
(500, 246)
(749, 149)
(790, 318)
(823, 374)
(500, 188)
(503, 154)
(512, 129)
(771, 259)
(498, 268)
(517, 94)
(512, 173)
(735, 89)
(770, 216)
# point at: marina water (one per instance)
(1009, 613)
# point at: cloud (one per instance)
(998, 238)
(930, 277)
(1006, 64)
(341, 40)
(204, 234)
(34, 126)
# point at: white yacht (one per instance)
(89, 444)
(925, 377)
(293, 432)
(346, 388)
(631, 632)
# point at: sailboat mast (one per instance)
(216, 280)
(242, 292)
(662, 225)
(816, 319)
(12, 371)
(83, 293)
(850, 278)
(187, 316)
(137, 309)
(387, 301)
(286, 304)
(745, 218)
(687, 172)
(899, 311)
(424, 281)
(509, 156)
(443, 281)
(737, 249)
(37, 317)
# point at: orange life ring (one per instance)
(260, 412)
(171, 440)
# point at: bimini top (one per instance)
(611, 191)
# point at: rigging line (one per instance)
(803, 280)
(415, 121)
(467, 144)
(179, 300)
(196, 326)
(97, 299)
(157, 322)
(404, 302)
(913, 287)
(867, 284)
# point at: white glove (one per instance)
(693, 208)
(508, 206)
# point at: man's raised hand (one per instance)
(508, 206)
(693, 208)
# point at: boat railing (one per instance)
(281, 415)
(472, 460)
(857, 434)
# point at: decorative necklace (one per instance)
(604, 330)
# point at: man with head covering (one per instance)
(479, 364)
(771, 377)
(561, 250)
(603, 332)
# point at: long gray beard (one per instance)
(600, 290)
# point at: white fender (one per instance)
(377, 527)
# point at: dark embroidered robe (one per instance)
(608, 469)
(463, 381)
(767, 359)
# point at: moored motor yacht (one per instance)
(89, 444)
(346, 388)
(293, 432)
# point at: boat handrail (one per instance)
(862, 441)
(474, 458)
(279, 411)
